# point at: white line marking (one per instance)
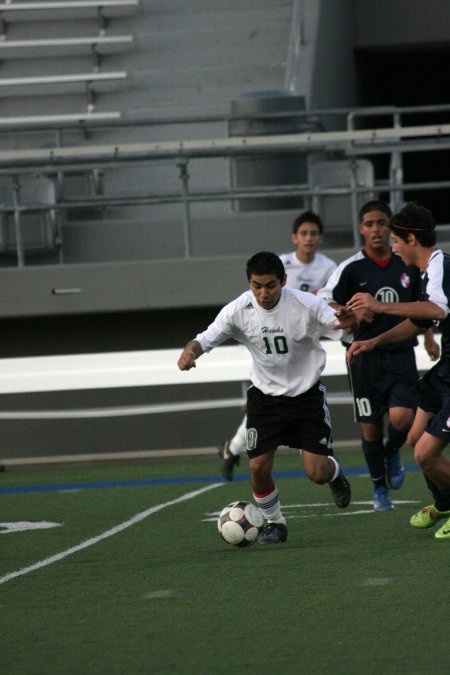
(213, 515)
(377, 581)
(22, 525)
(160, 594)
(338, 514)
(354, 503)
(108, 533)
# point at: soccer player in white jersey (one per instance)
(286, 403)
(306, 270)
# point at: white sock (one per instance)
(237, 443)
(336, 466)
(269, 504)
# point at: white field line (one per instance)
(213, 515)
(108, 533)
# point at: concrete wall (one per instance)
(403, 23)
(327, 75)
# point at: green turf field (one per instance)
(135, 579)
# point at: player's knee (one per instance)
(423, 459)
(402, 421)
(318, 475)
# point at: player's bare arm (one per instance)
(422, 309)
(431, 346)
(404, 330)
(360, 346)
(361, 314)
(189, 355)
(347, 320)
(364, 301)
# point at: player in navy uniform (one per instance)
(414, 237)
(286, 404)
(383, 381)
(306, 270)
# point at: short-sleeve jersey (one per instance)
(307, 276)
(435, 286)
(284, 342)
(393, 282)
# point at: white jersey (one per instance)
(307, 276)
(287, 357)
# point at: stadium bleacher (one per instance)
(127, 117)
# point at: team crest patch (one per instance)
(251, 439)
(405, 280)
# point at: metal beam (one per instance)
(225, 147)
(66, 42)
(62, 79)
(70, 4)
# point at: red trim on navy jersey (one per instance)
(382, 263)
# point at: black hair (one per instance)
(374, 205)
(417, 220)
(307, 217)
(265, 263)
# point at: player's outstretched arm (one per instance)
(420, 309)
(362, 314)
(347, 320)
(431, 346)
(402, 331)
(364, 301)
(189, 355)
(358, 347)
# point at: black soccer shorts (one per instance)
(433, 393)
(380, 380)
(301, 422)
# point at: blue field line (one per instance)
(99, 485)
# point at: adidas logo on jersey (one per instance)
(324, 441)
(249, 306)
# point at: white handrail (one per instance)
(83, 117)
(66, 42)
(144, 369)
(70, 4)
(215, 147)
(62, 79)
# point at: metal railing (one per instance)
(393, 140)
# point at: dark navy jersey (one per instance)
(393, 282)
(435, 286)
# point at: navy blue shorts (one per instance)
(381, 380)
(301, 422)
(433, 394)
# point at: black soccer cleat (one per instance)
(229, 460)
(273, 533)
(341, 491)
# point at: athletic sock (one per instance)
(441, 497)
(374, 455)
(269, 504)
(237, 443)
(395, 440)
(335, 468)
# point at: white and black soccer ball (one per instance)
(240, 523)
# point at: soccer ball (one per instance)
(240, 523)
